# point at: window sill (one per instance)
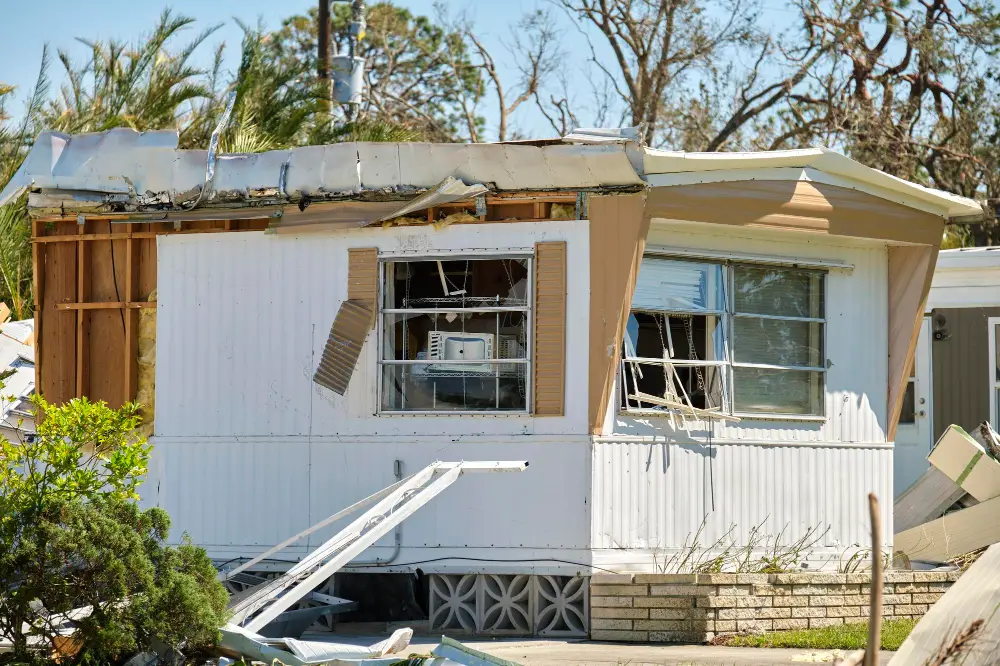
(782, 417)
(643, 413)
(491, 414)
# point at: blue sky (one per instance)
(59, 22)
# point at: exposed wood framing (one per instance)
(90, 281)
(92, 278)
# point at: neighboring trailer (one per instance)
(955, 379)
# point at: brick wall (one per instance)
(663, 608)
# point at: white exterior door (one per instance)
(913, 436)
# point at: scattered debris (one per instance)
(239, 642)
(447, 191)
(452, 651)
(928, 498)
(965, 461)
(963, 621)
(964, 474)
(261, 605)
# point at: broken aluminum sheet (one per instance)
(452, 652)
(266, 602)
(975, 596)
(447, 191)
(605, 135)
(146, 172)
(239, 642)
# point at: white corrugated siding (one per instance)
(249, 451)
(655, 495)
(243, 319)
(242, 495)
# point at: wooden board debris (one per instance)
(928, 498)
(969, 606)
(953, 534)
(965, 461)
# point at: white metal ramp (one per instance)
(393, 505)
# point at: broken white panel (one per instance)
(447, 191)
(605, 135)
(953, 534)
(262, 605)
(926, 499)
(975, 597)
(966, 462)
(240, 642)
(450, 651)
(371, 499)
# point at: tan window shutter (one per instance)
(549, 353)
(354, 319)
(343, 347)
(362, 278)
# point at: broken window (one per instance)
(455, 335)
(713, 339)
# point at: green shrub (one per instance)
(73, 536)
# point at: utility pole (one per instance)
(323, 64)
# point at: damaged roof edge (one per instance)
(664, 168)
(124, 171)
(132, 173)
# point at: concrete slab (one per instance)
(542, 652)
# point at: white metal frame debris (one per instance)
(394, 505)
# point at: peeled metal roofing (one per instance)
(146, 170)
(129, 171)
(666, 168)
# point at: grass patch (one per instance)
(843, 637)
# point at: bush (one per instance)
(73, 536)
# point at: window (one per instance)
(454, 335)
(713, 339)
(908, 412)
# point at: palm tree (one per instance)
(143, 86)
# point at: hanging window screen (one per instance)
(725, 338)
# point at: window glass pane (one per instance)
(782, 292)
(909, 411)
(777, 391)
(461, 387)
(463, 283)
(778, 342)
(672, 284)
(678, 336)
(455, 336)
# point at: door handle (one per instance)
(921, 413)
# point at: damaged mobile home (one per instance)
(671, 340)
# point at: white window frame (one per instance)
(727, 320)
(994, 384)
(528, 310)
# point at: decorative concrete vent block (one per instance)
(509, 605)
